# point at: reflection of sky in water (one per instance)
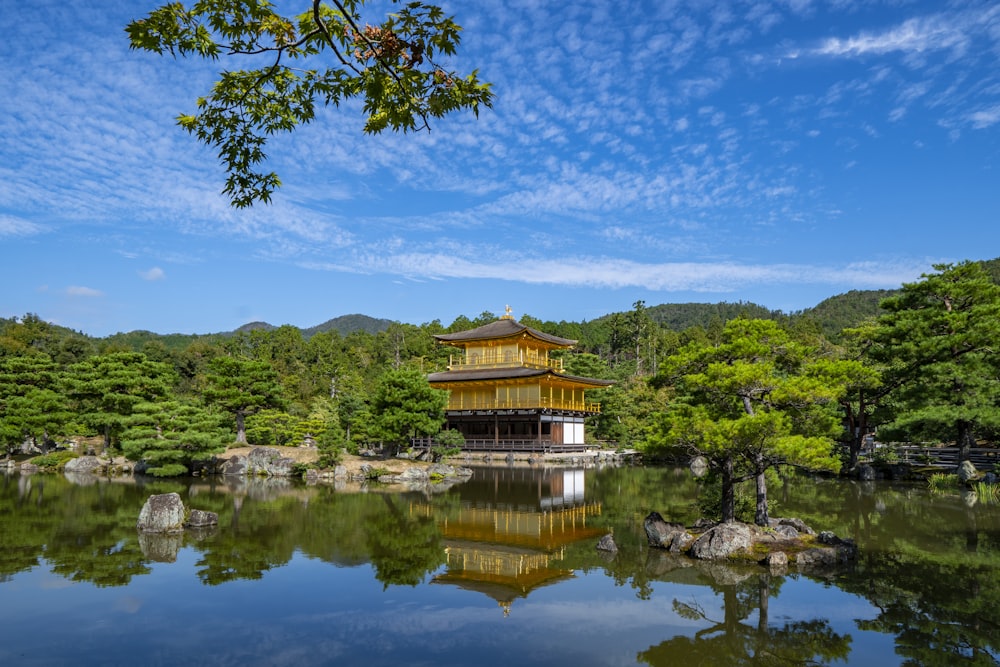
(309, 612)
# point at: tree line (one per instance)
(747, 393)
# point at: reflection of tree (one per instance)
(941, 611)
(404, 547)
(929, 566)
(731, 641)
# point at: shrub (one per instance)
(940, 481)
(55, 460)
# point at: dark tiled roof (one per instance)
(502, 328)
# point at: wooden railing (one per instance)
(462, 403)
(461, 363)
(522, 445)
(983, 458)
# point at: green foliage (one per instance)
(56, 460)
(390, 65)
(886, 454)
(104, 390)
(755, 400)
(937, 342)
(242, 387)
(405, 406)
(940, 481)
(170, 435)
(448, 442)
(987, 493)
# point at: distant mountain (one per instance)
(680, 316)
(847, 310)
(253, 326)
(346, 324)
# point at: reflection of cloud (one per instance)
(77, 290)
(129, 604)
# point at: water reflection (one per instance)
(925, 590)
(509, 534)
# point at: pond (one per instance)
(499, 570)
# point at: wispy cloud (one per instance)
(155, 273)
(88, 292)
(915, 35)
(13, 226)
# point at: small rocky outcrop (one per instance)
(967, 472)
(162, 513)
(201, 519)
(607, 543)
(723, 541)
(269, 461)
(673, 537)
(90, 465)
(785, 540)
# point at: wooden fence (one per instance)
(942, 457)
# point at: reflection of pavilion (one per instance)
(509, 536)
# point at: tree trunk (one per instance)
(241, 429)
(728, 491)
(760, 516)
(965, 441)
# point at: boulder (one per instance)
(28, 468)
(607, 543)
(235, 466)
(776, 561)
(269, 461)
(699, 466)
(163, 513)
(202, 519)
(865, 472)
(723, 541)
(800, 527)
(85, 464)
(966, 472)
(663, 534)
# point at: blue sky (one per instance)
(668, 151)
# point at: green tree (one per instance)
(405, 406)
(752, 402)
(390, 64)
(938, 340)
(104, 389)
(170, 435)
(32, 406)
(242, 387)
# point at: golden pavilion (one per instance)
(507, 392)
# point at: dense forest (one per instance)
(915, 364)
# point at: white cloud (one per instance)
(985, 118)
(77, 290)
(155, 273)
(915, 35)
(12, 226)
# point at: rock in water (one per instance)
(607, 543)
(723, 541)
(202, 519)
(163, 513)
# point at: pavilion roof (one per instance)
(502, 328)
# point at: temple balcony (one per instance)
(479, 362)
(465, 403)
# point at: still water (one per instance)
(500, 570)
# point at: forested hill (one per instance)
(832, 315)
